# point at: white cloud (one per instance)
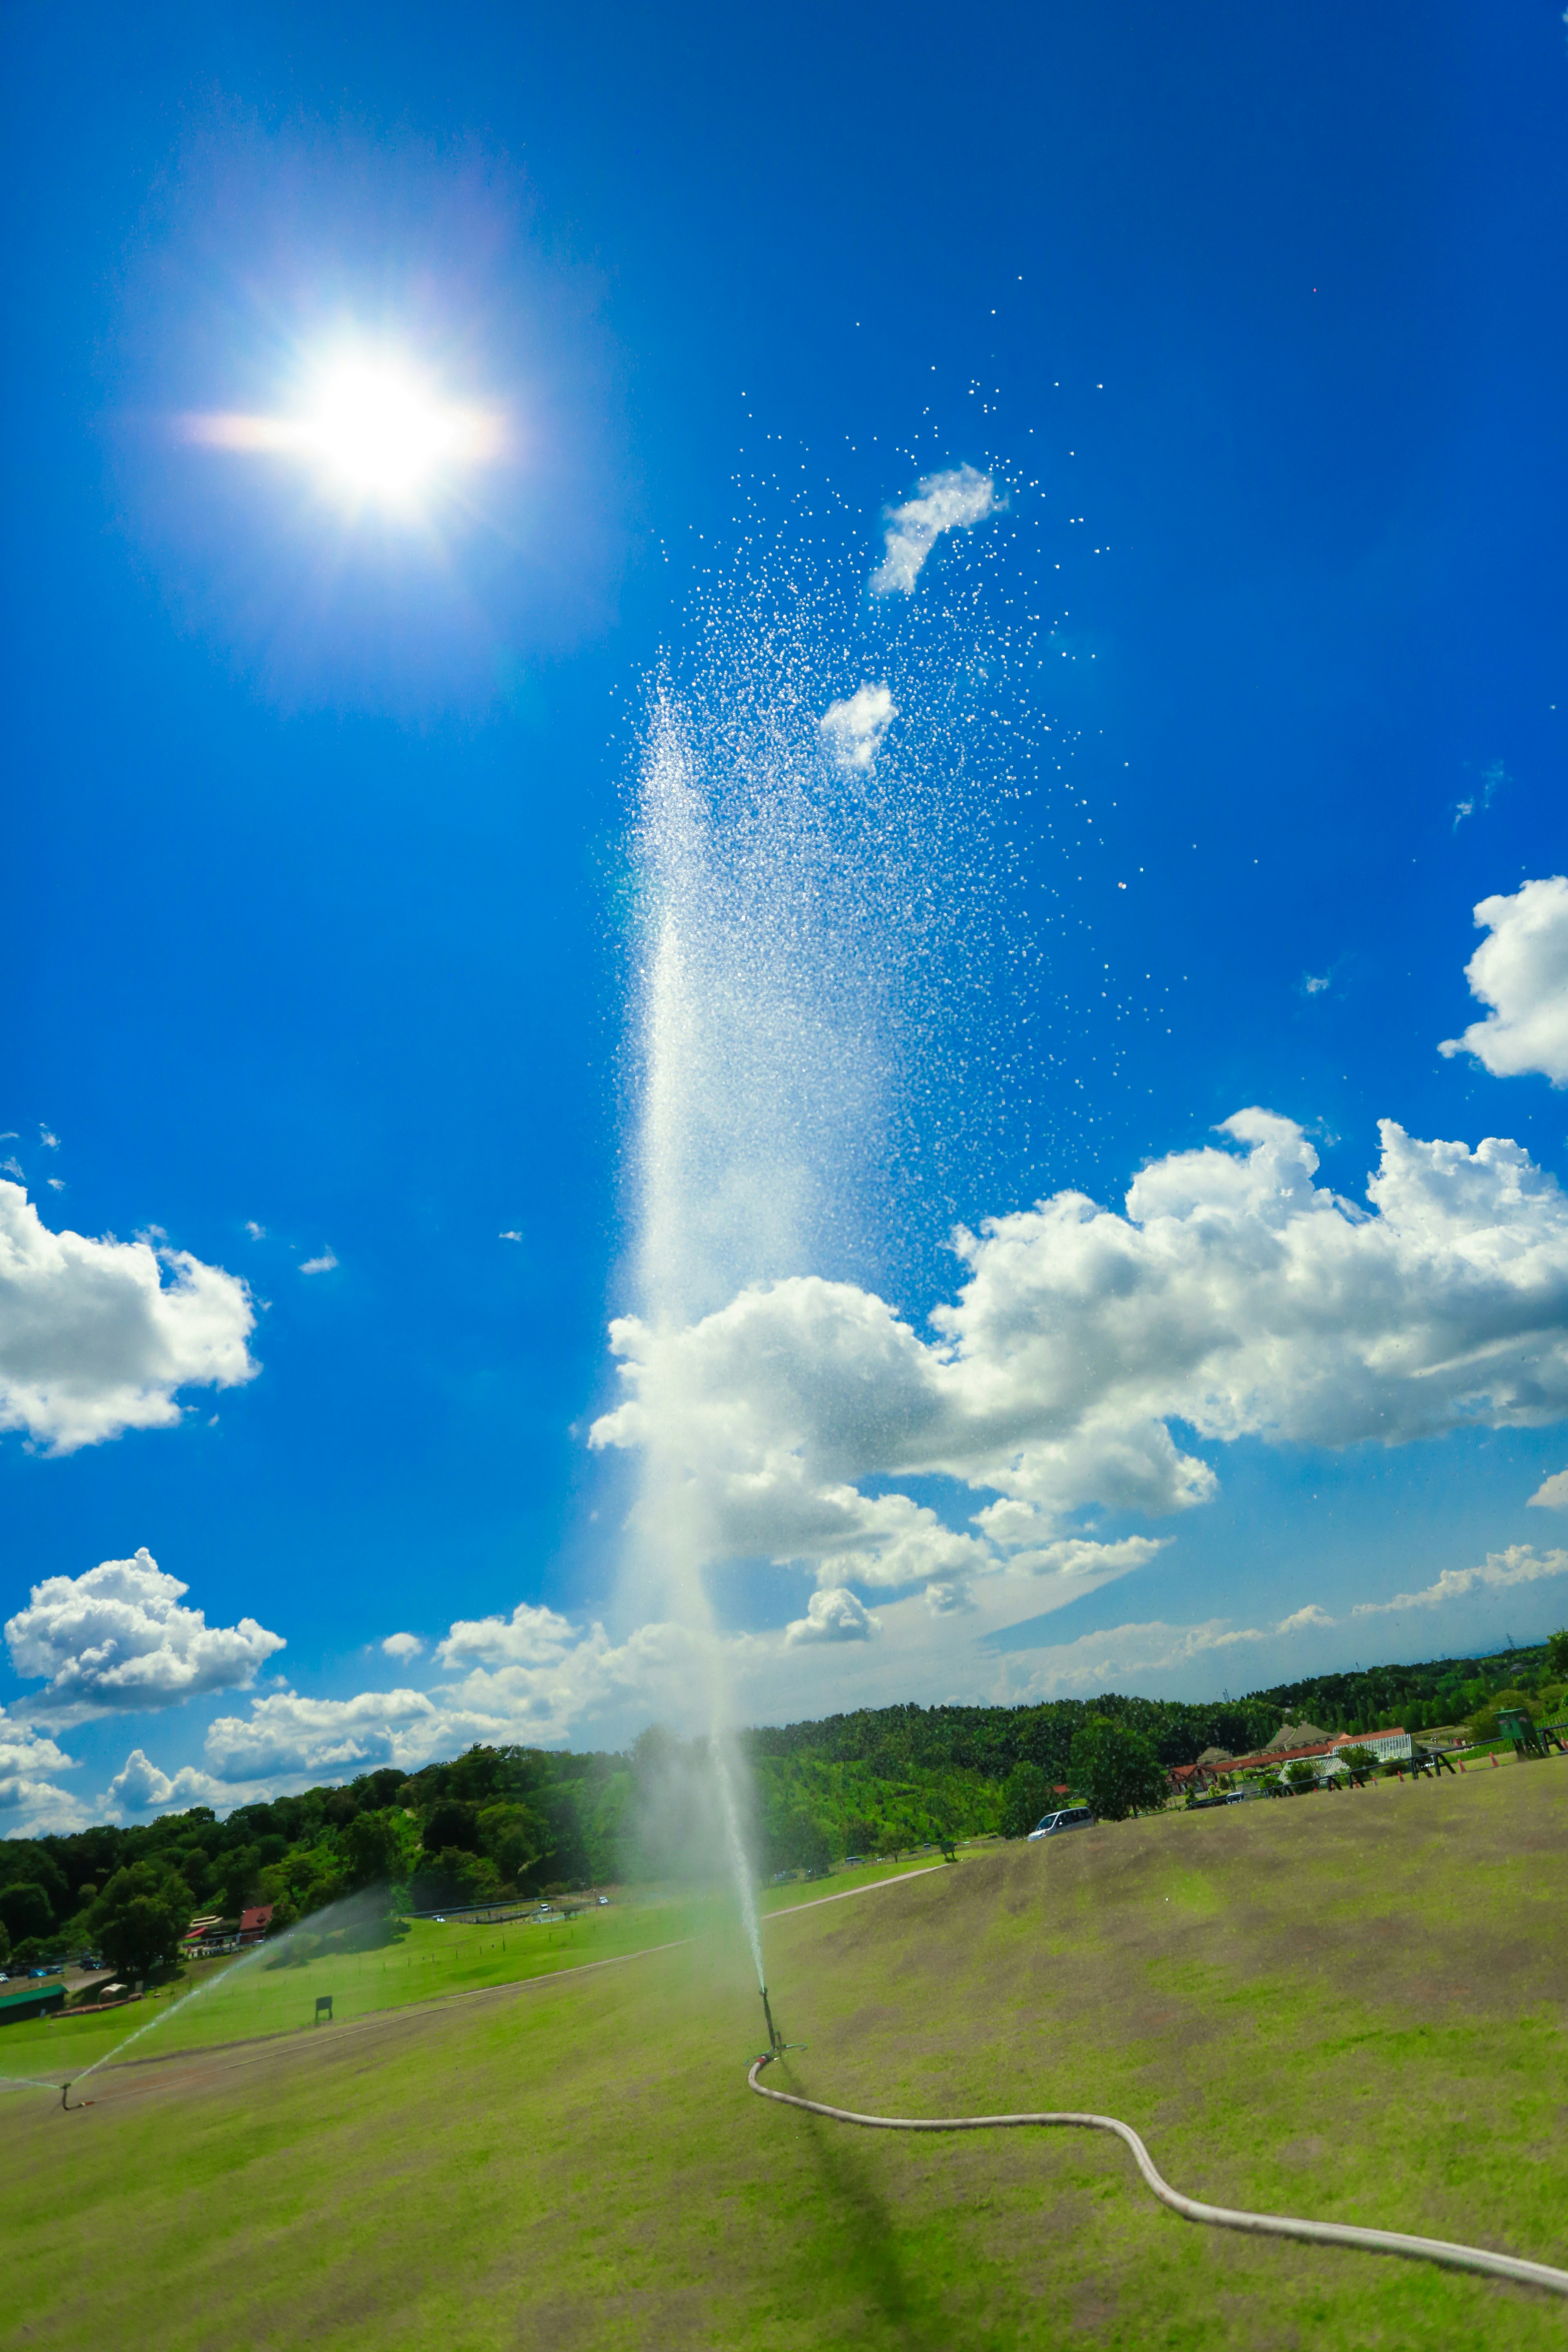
(853, 729)
(511, 1235)
(1520, 1564)
(56, 1183)
(1552, 1495)
(1522, 971)
(1128, 1655)
(50, 1142)
(139, 1787)
(29, 1802)
(322, 1264)
(1303, 1620)
(258, 1232)
(834, 1615)
(530, 1637)
(1234, 1297)
(542, 1676)
(285, 1733)
(94, 1341)
(403, 1646)
(955, 500)
(117, 1641)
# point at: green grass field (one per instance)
(273, 1990)
(1349, 2007)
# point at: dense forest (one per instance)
(522, 1821)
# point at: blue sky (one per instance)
(316, 899)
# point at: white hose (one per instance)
(1221, 2217)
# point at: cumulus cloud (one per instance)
(322, 1264)
(834, 1615)
(1233, 1298)
(117, 1641)
(1301, 1621)
(287, 1734)
(139, 1787)
(1520, 1564)
(530, 1636)
(1552, 1495)
(94, 1340)
(1522, 971)
(30, 1803)
(955, 500)
(852, 730)
(538, 1676)
(403, 1646)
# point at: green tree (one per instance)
(452, 1823)
(1358, 1762)
(1025, 1797)
(808, 1846)
(1302, 1773)
(1116, 1770)
(447, 1880)
(306, 1879)
(1557, 1651)
(139, 1918)
(514, 1837)
(25, 1910)
(381, 1849)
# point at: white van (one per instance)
(1073, 1817)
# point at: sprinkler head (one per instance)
(775, 2038)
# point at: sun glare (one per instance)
(373, 428)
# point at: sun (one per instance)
(379, 431)
(375, 428)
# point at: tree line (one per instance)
(513, 1822)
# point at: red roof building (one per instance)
(255, 1923)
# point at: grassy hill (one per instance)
(1351, 2007)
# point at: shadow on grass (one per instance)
(869, 2264)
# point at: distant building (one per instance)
(35, 1999)
(255, 1923)
(1388, 1746)
(1325, 1754)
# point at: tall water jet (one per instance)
(825, 901)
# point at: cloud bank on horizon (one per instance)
(547, 1677)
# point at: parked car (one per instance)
(1071, 1817)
